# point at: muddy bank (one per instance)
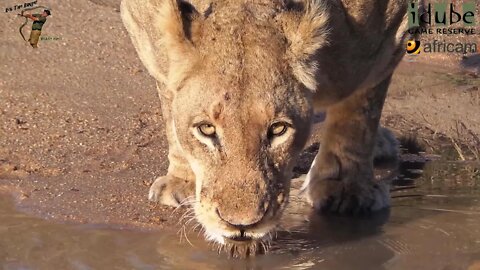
(438, 102)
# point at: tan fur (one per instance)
(306, 35)
(244, 65)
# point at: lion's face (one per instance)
(241, 136)
(241, 116)
(241, 75)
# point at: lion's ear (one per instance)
(163, 33)
(305, 24)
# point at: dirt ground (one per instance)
(81, 132)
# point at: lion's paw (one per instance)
(171, 191)
(350, 198)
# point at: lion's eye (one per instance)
(278, 129)
(207, 130)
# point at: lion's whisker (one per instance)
(186, 214)
(202, 230)
(186, 237)
(180, 233)
(186, 201)
(196, 226)
(192, 218)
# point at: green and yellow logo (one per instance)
(442, 14)
(413, 47)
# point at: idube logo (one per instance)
(442, 15)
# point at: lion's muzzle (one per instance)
(248, 213)
(243, 224)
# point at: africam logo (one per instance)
(413, 47)
(435, 46)
(442, 14)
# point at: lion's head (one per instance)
(241, 77)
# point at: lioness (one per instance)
(239, 81)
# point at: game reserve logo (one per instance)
(442, 18)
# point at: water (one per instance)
(433, 226)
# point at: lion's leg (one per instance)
(178, 185)
(341, 177)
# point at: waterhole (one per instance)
(434, 225)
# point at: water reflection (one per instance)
(434, 226)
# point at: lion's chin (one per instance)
(244, 247)
(241, 246)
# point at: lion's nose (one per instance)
(242, 222)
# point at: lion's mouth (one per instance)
(241, 242)
(246, 236)
(240, 239)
